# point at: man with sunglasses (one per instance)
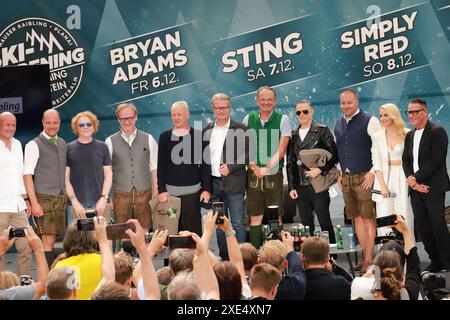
(88, 169)
(424, 163)
(353, 132)
(134, 155)
(44, 167)
(310, 135)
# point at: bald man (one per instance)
(44, 165)
(13, 208)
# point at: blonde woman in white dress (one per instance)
(387, 150)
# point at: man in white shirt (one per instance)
(44, 169)
(424, 163)
(228, 146)
(353, 132)
(134, 156)
(13, 209)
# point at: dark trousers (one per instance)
(190, 216)
(307, 201)
(429, 212)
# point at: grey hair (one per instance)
(180, 103)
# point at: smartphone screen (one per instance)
(219, 207)
(85, 224)
(16, 232)
(117, 231)
(386, 221)
(176, 242)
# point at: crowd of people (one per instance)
(382, 168)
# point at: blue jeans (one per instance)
(234, 209)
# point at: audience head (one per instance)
(274, 252)
(183, 287)
(315, 251)
(164, 276)
(8, 279)
(396, 246)
(391, 274)
(180, 260)
(111, 291)
(249, 255)
(79, 242)
(264, 279)
(62, 283)
(229, 279)
(124, 266)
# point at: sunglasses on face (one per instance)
(87, 124)
(299, 112)
(413, 112)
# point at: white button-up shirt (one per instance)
(11, 177)
(216, 142)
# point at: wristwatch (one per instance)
(104, 196)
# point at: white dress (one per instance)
(396, 183)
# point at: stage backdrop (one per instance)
(103, 52)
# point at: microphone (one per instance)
(390, 194)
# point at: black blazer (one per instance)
(236, 180)
(318, 136)
(432, 158)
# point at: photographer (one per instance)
(82, 250)
(395, 284)
(37, 289)
(282, 256)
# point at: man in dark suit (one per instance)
(424, 164)
(228, 147)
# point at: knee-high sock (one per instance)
(256, 235)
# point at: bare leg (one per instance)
(370, 230)
(359, 228)
(48, 241)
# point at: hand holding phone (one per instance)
(18, 232)
(220, 208)
(386, 221)
(117, 231)
(85, 224)
(185, 242)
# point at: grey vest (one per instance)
(49, 174)
(131, 165)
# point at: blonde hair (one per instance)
(88, 114)
(8, 279)
(394, 113)
(124, 267)
(124, 106)
(273, 252)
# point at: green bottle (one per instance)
(339, 238)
